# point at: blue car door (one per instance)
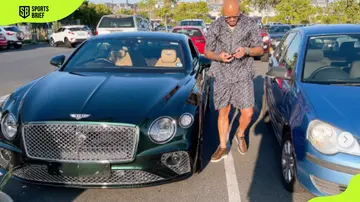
(277, 89)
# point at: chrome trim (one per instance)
(135, 147)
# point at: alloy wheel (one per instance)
(287, 162)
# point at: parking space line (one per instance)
(231, 179)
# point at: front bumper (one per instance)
(15, 42)
(145, 170)
(325, 178)
(78, 40)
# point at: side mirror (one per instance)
(204, 62)
(279, 72)
(58, 60)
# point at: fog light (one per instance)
(5, 157)
(178, 161)
(174, 159)
(186, 120)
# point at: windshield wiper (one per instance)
(345, 84)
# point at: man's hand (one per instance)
(240, 52)
(225, 57)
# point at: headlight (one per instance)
(162, 130)
(9, 126)
(186, 120)
(330, 140)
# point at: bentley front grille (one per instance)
(39, 173)
(72, 142)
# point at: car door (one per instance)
(276, 88)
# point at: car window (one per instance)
(194, 52)
(283, 46)
(191, 23)
(119, 54)
(11, 29)
(332, 59)
(279, 29)
(191, 32)
(117, 22)
(73, 29)
(291, 56)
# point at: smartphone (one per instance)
(234, 53)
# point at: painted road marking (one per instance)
(231, 179)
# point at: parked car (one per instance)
(3, 42)
(125, 109)
(276, 33)
(194, 22)
(121, 23)
(13, 36)
(266, 40)
(196, 35)
(69, 35)
(311, 100)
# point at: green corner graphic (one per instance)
(351, 194)
(36, 11)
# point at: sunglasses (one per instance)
(235, 17)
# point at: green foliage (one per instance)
(89, 13)
(198, 10)
(342, 11)
(295, 11)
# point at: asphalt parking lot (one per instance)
(252, 177)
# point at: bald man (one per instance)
(231, 41)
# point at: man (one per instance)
(230, 42)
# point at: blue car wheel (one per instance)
(288, 166)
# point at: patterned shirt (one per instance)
(220, 38)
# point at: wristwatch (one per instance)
(247, 51)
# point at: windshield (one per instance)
(117, 22)
(191, 32)
(118, 54)
(11, 29)
(191, 23)
(279, 29)
(333, 59)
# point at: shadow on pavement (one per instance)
(28, 47)
(266, 184)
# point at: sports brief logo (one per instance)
(24, 11)
(35, 12)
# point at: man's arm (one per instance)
(256, 43)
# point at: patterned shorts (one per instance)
(240, 95)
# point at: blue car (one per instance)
(312, 101)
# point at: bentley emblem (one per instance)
(79, 116)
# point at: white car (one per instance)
(69, 35)
(122, 23)
(13, 35)
(194, 22)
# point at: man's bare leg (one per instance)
(244, 122)
(223, 127)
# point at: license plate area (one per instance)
(80, 169)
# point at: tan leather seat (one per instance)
(314, 60)
(168, 59)
(355, 70)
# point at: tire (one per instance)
(287, 163)
(67, 43)
(52, 43)
(18, 46)
(265, 58)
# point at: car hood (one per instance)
(125, 97)
(337, 105)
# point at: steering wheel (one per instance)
(104, 60)
(318, 70)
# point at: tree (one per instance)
(341, 11)
(295, 11)
(197, 10)
(261, 4)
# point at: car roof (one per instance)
(323, 29)
(187, 27)
(144, 34)
(192, 20)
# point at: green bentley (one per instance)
(123, 110)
